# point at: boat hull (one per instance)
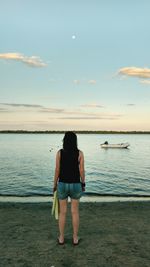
(123, 145)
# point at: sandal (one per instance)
(60, 243)
(75, 243)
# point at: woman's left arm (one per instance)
(57, 171)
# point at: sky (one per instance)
(74, 65)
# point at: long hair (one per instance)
(70, 141)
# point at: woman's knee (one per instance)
(63, 211)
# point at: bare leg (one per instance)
(62, 218)
(75, 218)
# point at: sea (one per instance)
(27, 164)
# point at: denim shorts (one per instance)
(72, 190)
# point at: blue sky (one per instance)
(80, 65)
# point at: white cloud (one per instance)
(58, 113)
(92, 105)
(76, 81)
(32, 61)
(135, 72)
(79, 115)
(92, 82)
(130, 104)
(87, 118)
(145, 81)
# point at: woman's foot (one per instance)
(75, 240)
(61, 240)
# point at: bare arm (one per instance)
(57, 170)
(81, 167)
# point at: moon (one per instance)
(73, 37)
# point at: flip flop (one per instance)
(76, 243)
(60, 243)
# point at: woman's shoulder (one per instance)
(59, 151)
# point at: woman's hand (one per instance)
(83, 186)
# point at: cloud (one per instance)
(145, 82)
(3, 110)
(130, 104)
(92, 82)
(52, 110)
(32, 61)
(63, 113)
(70, 115)
(76, 81)
(42, 108)
(86, 118)
(21, 105)
(135, 72)
(92, 105)
(79, 112)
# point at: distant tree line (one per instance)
(79, 132)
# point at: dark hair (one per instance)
(70, 141)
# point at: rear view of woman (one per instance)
(69, 181)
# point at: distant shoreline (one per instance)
(78, 132)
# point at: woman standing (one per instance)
(69, 181)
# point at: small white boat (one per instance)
(122, 145)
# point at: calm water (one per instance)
(27, 165)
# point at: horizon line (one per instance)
(76, 131)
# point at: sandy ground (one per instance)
(112, 235)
